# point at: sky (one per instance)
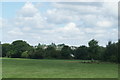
(71, 23)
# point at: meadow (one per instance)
(43, 68)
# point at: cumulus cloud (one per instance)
(104, 24)
(26, 28)
(15, 32)
(70, 23)
(70, 27)
(28, 10)
(111, 9)
(60, 16)
(30, 16)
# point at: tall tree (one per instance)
(93, 49)
(18, 47)
(38, 53)
(66, 52)
(5, 49)
(50, 52)
(81, 53)
(111, 52)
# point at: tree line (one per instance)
(21, 49)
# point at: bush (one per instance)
(25, 54)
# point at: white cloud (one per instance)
(3, 23)
(70, 27)
(104, 24)
(84, 14)
(111, 9)
(28, 10)
(15, 32)
(26, 28)
(63, 23)
(60, 16)
(30, 16)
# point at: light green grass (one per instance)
(32, 68)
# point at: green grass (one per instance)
(32, 68)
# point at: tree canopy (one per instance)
(21, 49)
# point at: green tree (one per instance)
(38, 53)
(50, 52)
(5, 49)
(25, 54)
(101, 51)
(66, 52)
(111, 52)
(81, 53)
(93, 49)
(19, 47)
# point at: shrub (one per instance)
(25, 54)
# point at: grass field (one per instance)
(31, 68)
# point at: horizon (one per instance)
(59, 22)
(60, 43)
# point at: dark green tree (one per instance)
(50, 52)
(5, 49)
(66, 52)
(111, 52)
(38, 53)
(81, 53)
(101, 51)
(93, 49)
(18, 47)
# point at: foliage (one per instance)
(25, 54)
(93, 49)
(111, 52)
(82, 53)
(65, 52)
(50, 52)
(38, 53)
(5, 49)
(21, 49)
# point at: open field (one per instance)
(32, 68)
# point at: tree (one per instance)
(93, 49)
(111, 52)
(5, 49)
(38, 53)
(11, 53)
(66, 52)
(81, 53)
(53, 45)
(25, 54)
(19, 47)
(50, 52)
(101, 51)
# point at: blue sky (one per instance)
(67, 22)
(10, 9)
